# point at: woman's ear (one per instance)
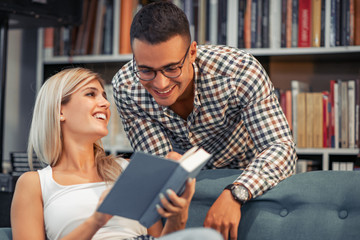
(62, 118)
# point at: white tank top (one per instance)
(66, 207)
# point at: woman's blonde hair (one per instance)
(45, 139)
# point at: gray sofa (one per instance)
(313, 205)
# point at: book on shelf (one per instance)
(318, 121)
(316, 23)
(99, 27)
(307, 165)
(48, 41)
(301, 120)
(296, 88)
(342, 166)
(135, 194)
(357, 22)
(304, 25)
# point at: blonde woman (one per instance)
(70, 117)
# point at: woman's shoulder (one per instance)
(29, 179)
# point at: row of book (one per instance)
(307, 165)
(303, 23)
(327, 119)
(238, 23)
(252, 23)
(95, 34)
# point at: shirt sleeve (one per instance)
(268, 129)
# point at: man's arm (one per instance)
(268, 129)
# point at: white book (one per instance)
(275, 24)
(213, 28)
(351, 111)
(296, 88)
(232, 23)
(135, 194)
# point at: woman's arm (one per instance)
(27, 218)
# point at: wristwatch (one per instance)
(239, 192)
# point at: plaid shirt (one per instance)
(236, 117)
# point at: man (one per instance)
(174, 95)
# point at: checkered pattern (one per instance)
(236, 117)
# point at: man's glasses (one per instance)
(172, 71)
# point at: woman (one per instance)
(59, 202)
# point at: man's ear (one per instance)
(193, 51)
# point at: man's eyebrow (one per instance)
(165, 66)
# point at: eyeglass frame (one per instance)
(182, 60)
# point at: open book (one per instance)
(136, 192)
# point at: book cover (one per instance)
(136, 192)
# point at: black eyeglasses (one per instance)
(172, 71)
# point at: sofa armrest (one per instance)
(312, 205)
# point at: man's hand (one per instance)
(224, 215)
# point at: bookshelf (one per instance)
(314, 65)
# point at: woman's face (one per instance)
(87, 114)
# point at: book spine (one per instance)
(241, 18)
(247, 24)
(294, 27)
(316, 23)
(357, 22)
(351, 113)
(304, 31)
(288, 23)
(266, 24)
(232, 20)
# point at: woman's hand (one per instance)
(176, 208)
(101, 218)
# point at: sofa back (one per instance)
(311, 205)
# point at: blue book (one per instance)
(136, 192)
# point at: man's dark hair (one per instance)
(158, 22)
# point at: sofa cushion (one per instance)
(311, 205)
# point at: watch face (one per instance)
(241, 193)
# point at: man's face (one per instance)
(172, 55)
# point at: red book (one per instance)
(304, 34)
(326, 119)
(332, 114)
